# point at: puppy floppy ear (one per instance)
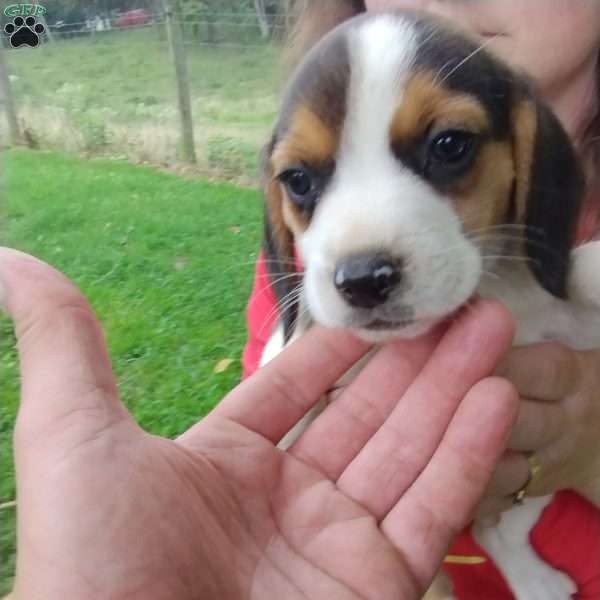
(549, 188)
(278, 246)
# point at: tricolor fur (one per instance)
(410, 170)
(359, 116)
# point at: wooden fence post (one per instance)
(287, 15)
(49, 35)
(7, 98)
(175, 37)
(263, 21)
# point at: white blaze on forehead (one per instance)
(373, 200)
(382, 51)
(371, 190)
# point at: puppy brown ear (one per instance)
(278, 248)
(549, 188)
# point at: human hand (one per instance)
(364, 505)
(559, 420)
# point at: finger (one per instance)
(542, 371)
(510, 475)
(65, 369)
(489, 511)
(441, 501)
(277, 396)
(538, 424)
(399, 451)
(337, 436)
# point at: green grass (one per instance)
(103, 89)
(167, 264)
(123, 69)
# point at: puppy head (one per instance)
(400, 149)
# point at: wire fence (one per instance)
(211, 28)
(197, 32)
(103, 88)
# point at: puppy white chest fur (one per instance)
(541, 317)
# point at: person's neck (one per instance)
(575, 101)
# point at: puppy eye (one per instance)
(298, 181)
(449, 155)
(303, 187)
(451, 146)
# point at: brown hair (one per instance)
(313, 19)
(592, 137)
(316, 17)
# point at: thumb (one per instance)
(66, 378)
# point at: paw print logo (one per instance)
(24, 32)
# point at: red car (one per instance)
(131, 18)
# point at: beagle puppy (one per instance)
(408, 171)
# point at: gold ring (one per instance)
(535, 468)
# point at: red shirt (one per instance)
(567, 536)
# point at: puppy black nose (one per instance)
(366, 281)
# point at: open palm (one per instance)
(363, 505)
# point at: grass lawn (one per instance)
(114, 94)
(167, 264)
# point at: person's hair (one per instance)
(592, 138)
(314, 18)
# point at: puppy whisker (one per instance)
(525, 259)
(466, 59)
(285, 303)
(258, 296)
(252, 263)
(300, 315)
